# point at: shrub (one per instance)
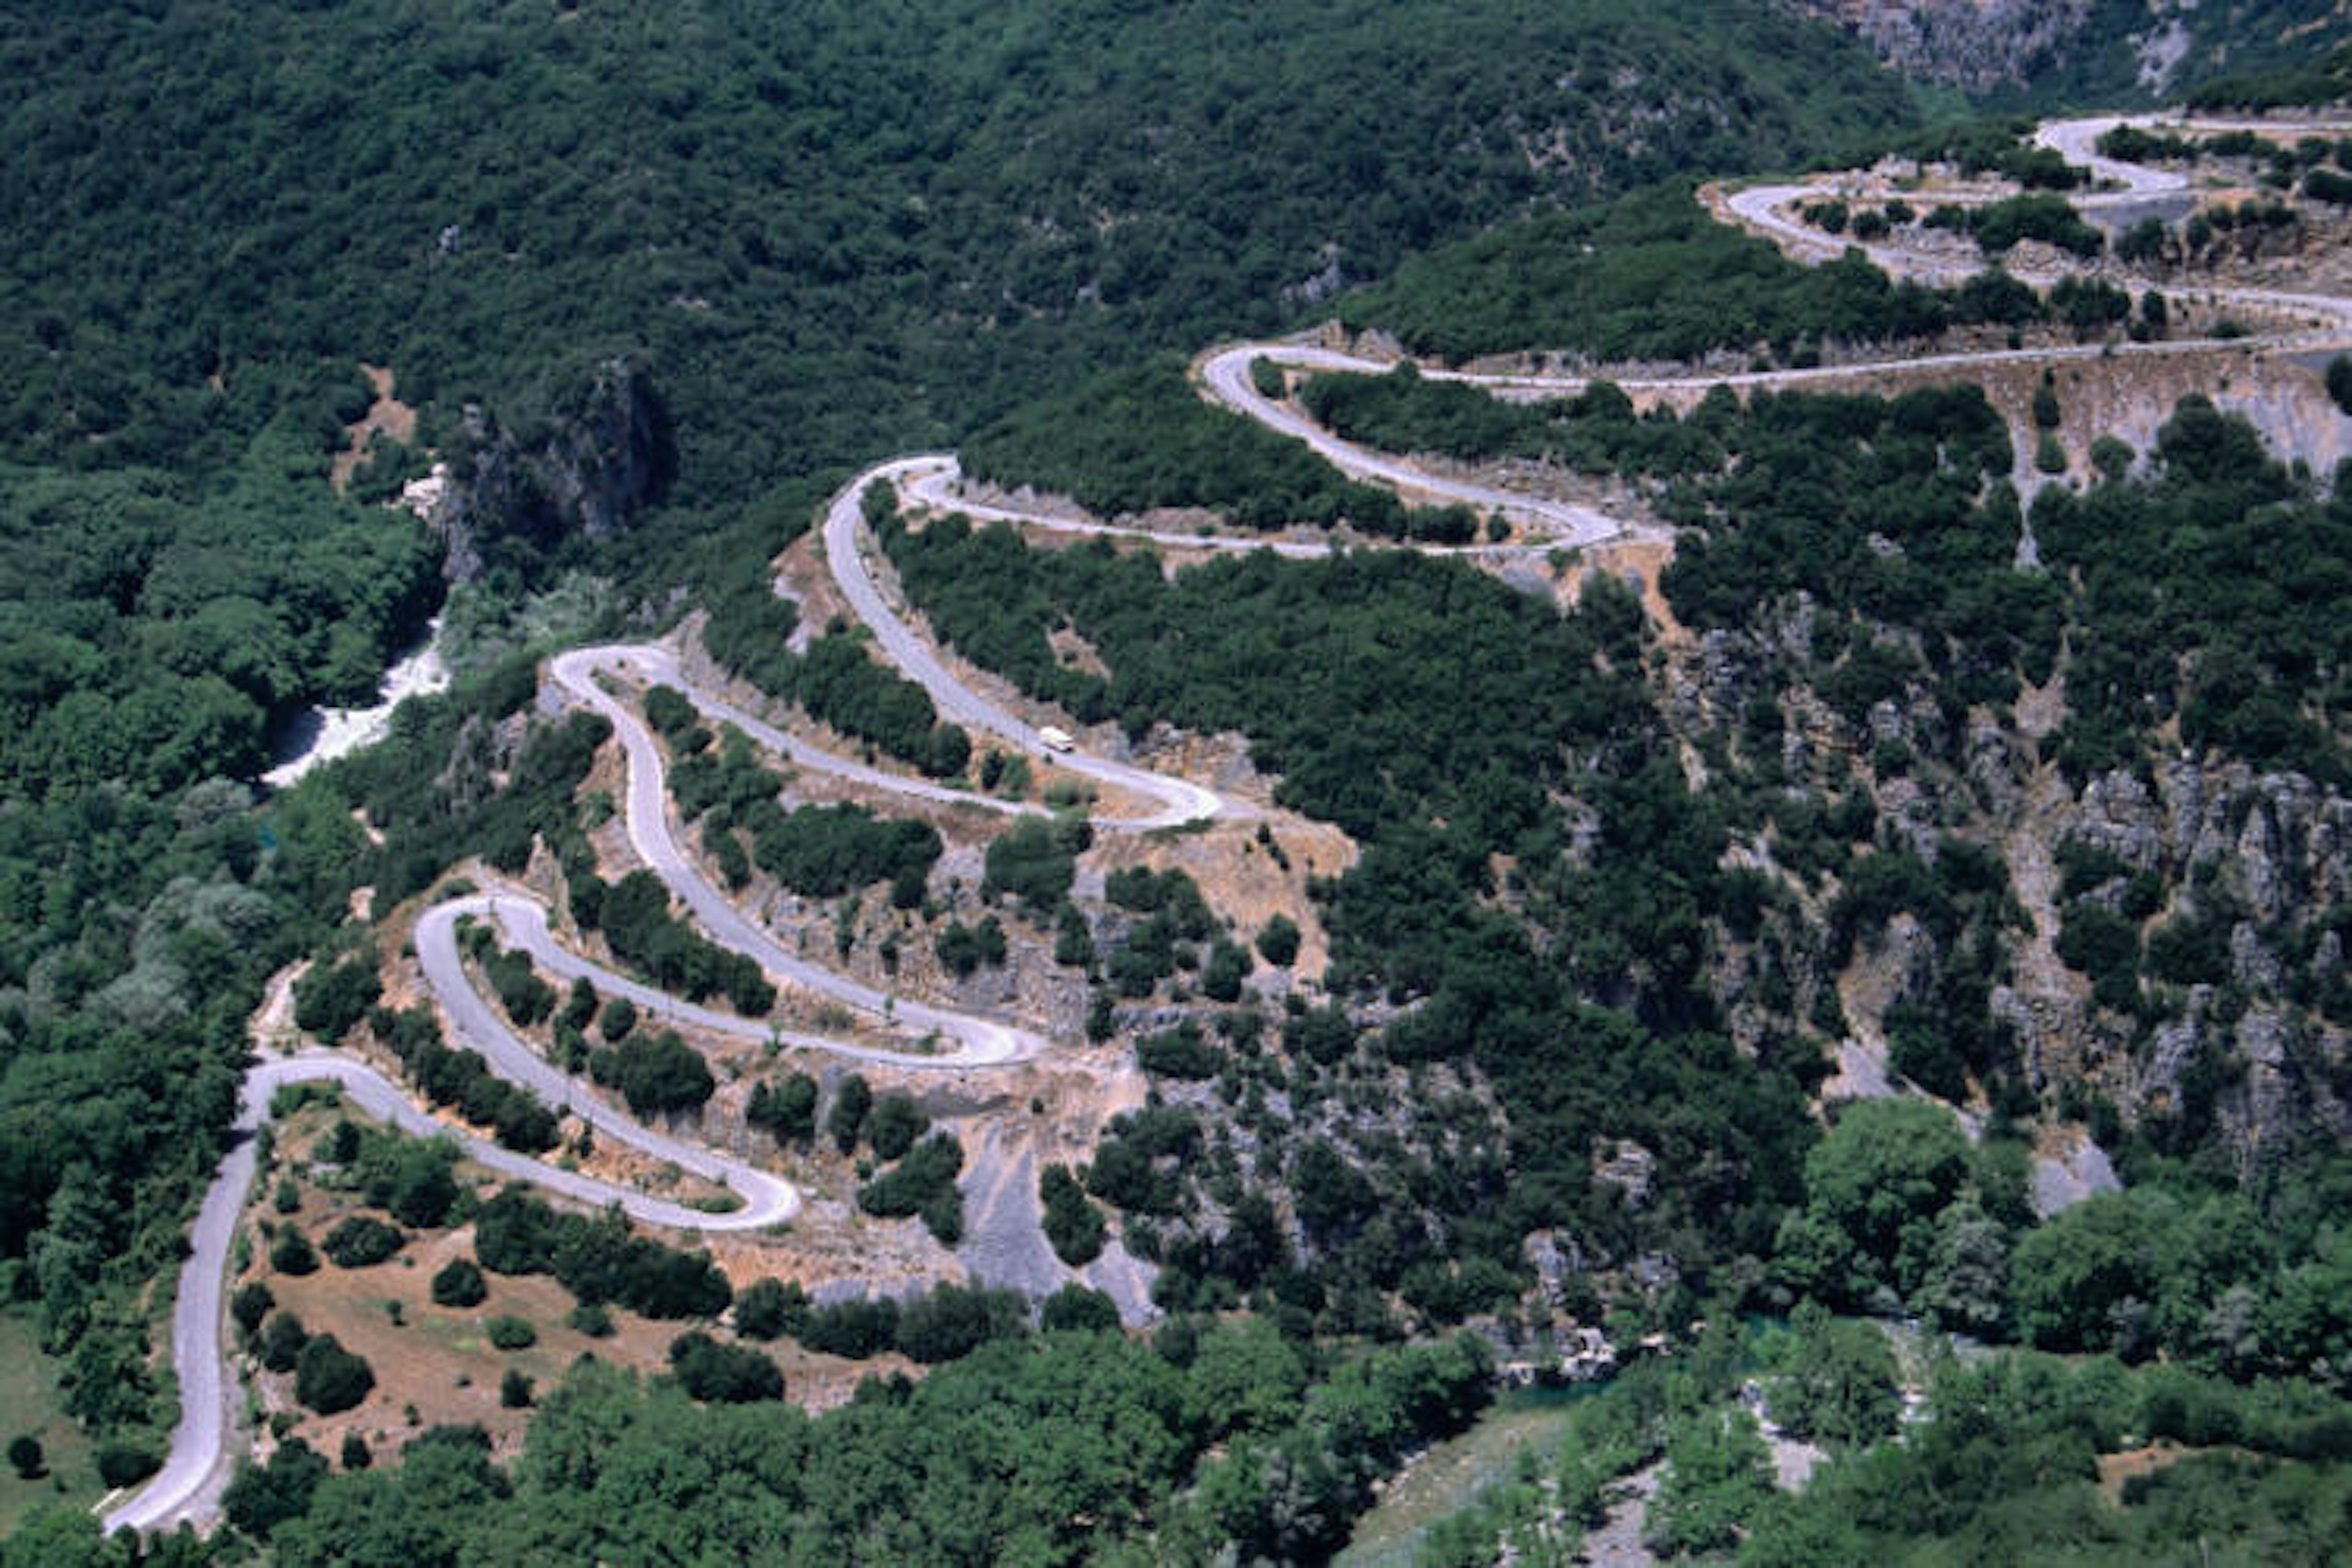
(590, 1318)
(787, 1110)
(1072, 1224)
(290, 1253)
(894, 1124)
(260, 1498)
(329, 1378)
(25, 1457)
(1179, 1053)
(954, 1320)
(280, 1343)
(1074, 1308)
(250, 1305)
(767, 1308)
(125, 1461)
(1278, 941)
(851, 1103)
(361, 1242)
(723, 1375)
(853, 1329)
(514, 1390)
(508, 1332)
(655, 1074)
(459, 1284)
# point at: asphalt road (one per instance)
(984, 1041)
(198, 1466)
(188, 1486)
(1180, 801)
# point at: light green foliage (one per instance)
(1874, 1188)
(1836, 1386)
(1718, 1474)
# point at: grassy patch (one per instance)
(30, 1401)
(1445, 1480)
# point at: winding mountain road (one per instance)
(189, 1484)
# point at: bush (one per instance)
(290, 1252)
(25, 1457)
(250, 1305)
(361, 1242)
(590, 1318)
(1033, 861)
(852, 1329)
(1074, 1308)
(894, 1124)
(260, 1498)
(787, 1110)
(330, 1379)
(280, 1341)
(514, 1390)
(459, 1284)
(125, 1461)
(1179, 1053)
(928, 1172)
(954, 1320)
(1072, 1224)
(657, 1074)
(964, 949)
(508, 1332)
(1278, 941)
(851, 1103)
(723, 1375)
(767, 1308)
(330, 998)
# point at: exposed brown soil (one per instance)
(387, 414)
(439, 1361)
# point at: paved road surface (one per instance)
(188, 1486)
(198, 1468)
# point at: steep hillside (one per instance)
(2085, 51)
(830, 228)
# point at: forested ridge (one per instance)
(816, 234)
(1620, 869)
(832, 229)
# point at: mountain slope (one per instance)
(833, 226)
(2086, 51)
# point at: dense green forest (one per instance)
(1652, 276)
(817, 234)
(1584, 975)
(830, 230)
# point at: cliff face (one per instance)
(2236, 1033)
(587, 465)
(2095, 49)
(1977, 46)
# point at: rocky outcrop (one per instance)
(2154, 46)
(1977, 45)
(587, 465)
(2258, 863)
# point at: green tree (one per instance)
(1874, 1188)
(330, 1379)
(1278, 941)
(1838, 1382)
(459, 1283)
(1719, 1476)
(1073, 1225)
(851, 1103)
